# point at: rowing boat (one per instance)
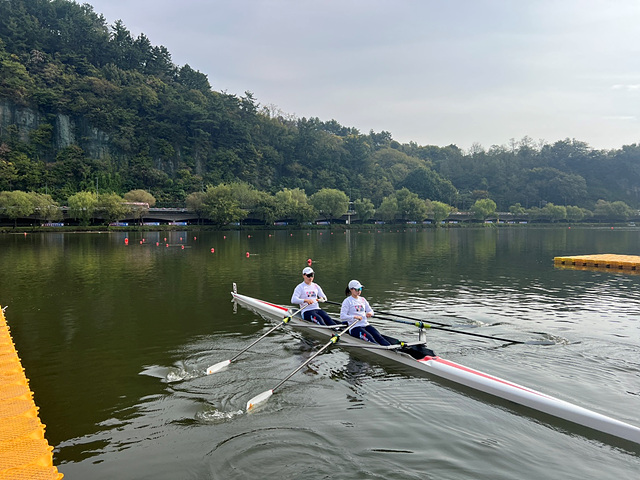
(419, 358)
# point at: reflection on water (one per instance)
(116, 339)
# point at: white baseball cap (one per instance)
(355, 284)
(307, 270)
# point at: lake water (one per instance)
(116, 338)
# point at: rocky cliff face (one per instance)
(66, 130)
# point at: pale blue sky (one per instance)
(435, 72)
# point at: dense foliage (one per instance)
(170, 133)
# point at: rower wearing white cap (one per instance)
(356, 309)
(309, 292)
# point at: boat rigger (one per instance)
(460, 374)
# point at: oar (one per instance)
(220, 365)
(396, 315)
(420, 324)
(264, 396)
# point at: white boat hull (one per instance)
(466, 376)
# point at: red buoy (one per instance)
(247, 254)
(213, 250)
(309, 261)
(126, 241)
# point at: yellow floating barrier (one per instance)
(24, 451)
(626, 263)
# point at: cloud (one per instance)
(427, 71)
(629, 88)
(624, 118)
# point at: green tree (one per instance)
(140, 196)
(220, 206)
(16, 204)
(139, 201)
(429, 184)
(554, 212)
(517, 209)
(410, 206)
(30, 173)
(112, 207)
(364, 209)
(617, 211)
(388, 209)
(576, 214)
(247, 195)
(8, 171)
(440, 211)
(45, 207)
(82, 206)
(483, 208)
(330, 202)
(266, 208)
(195, 203)
(15, 81)
(293, 203)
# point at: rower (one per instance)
(310, 293)
(355, 308)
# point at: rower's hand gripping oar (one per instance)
(220, 365)
(264, 396)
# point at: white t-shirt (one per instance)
(355, 306)
(303, 291)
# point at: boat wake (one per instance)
(547, 337)
(171, 374)
(217, 416)
(176, 374)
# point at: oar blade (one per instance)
(258, 400)
(217, 367)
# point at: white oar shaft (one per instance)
(264, 396)
(271, 330)
(327, 345)
(220, 365)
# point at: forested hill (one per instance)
(84, 103)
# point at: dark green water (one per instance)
(115, 340)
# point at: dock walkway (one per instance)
(611, 261)
(24, 452)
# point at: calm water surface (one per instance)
(116, 338)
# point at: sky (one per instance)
(433, 72)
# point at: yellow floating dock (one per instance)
(24, 452)
(628, 263)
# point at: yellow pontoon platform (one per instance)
(628, 263)
(24, 452)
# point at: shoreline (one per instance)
(338, 226)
